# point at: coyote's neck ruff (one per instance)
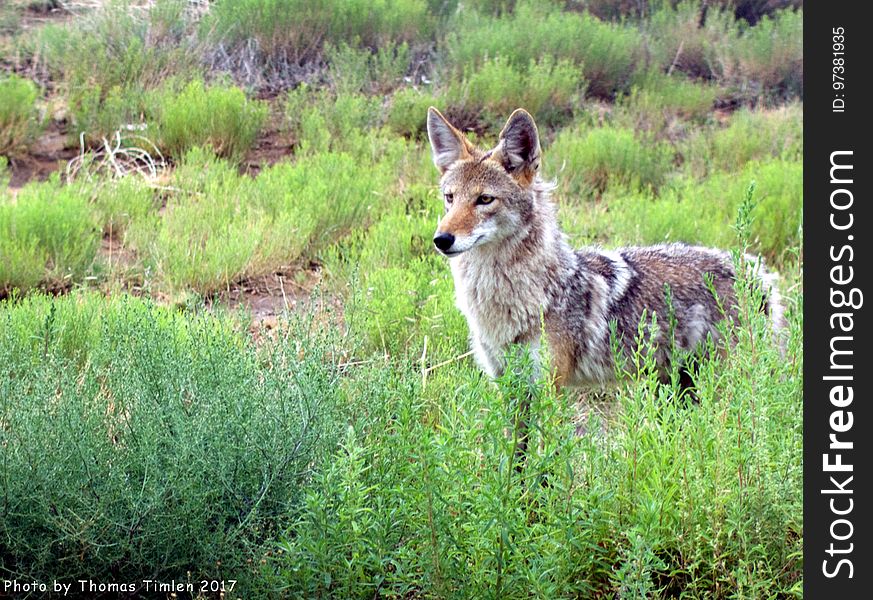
(516, 277)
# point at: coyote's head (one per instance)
(488, 195)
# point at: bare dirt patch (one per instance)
(267, 298)
(270, 148)
(49, 154)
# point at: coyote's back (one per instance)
(515, 274)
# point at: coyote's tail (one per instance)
(773, 304)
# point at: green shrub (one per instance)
(643, 219)
(98, 113)
(220, 227)
(10, 20)
(354, 70)
(596, 158)
(406, 288)
(19, 117)
(106, 63)
(657, 101)
(424, 495)
(116, 203)
(316, 200)
(687, 38)
(198, 115)
(547, 89)
(47, 236)
(208, 233)
(151, 424)
(408, 112)
(319, 121)
(750, 135)
(766, 61)
(293, 31)
(605, 53)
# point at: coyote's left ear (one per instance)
(519, 147)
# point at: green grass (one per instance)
(766, 61)
(606, 53)
(117, 203)
(106, 63)
(219, 227)
(108, 453)
(628, 217)
(685, 38)
(549, 90)
(208, 233)
(320, 121)
(425, 499)
(218, 116)
(407, 113)
(20, 121)
(593, 159)
(663, 105)
(294, 31)
(401, 289)
(355, 70)
(749, 135)
(47, 237)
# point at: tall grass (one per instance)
(750, 135)
(218, 116)
(208, 233)
(406, 113)
(355, 70)
(593, 159)
(642, 218)
(125, 424)
(219, 227)
(660, 104)
(47, 237)
(606, 53)
(19, 118)
(766, 61)
(424, 498)
(106, 63)
(404, 288)
(294, 31)
(687, 37)
(320, 121)
(548, 89)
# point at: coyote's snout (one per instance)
(515, 273)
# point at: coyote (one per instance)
(516, 277)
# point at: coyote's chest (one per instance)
(503, 306)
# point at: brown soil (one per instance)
(117, 256)
(270, 148)
(49, 154)
(266, 298)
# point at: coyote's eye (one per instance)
(449, 198)
(484, 199)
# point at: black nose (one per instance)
(443, 241)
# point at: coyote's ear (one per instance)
(447, 143)
(519, 147)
